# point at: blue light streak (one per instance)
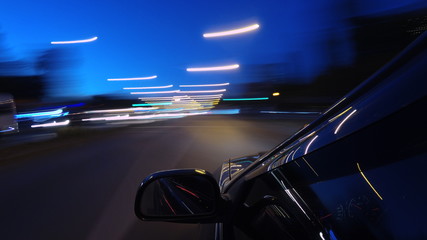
(55, 113)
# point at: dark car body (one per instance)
(356, 172)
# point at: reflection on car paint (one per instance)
(343, 121)
(369, 183)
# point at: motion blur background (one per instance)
(317, 49)
(98, 94)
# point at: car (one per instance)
(356, 172)
(8, 123)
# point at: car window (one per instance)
(397, 92)
(368, 184)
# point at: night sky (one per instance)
(163, 38)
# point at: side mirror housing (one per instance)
(188, 195)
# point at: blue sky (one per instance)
(163, 38)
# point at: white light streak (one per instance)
(53, 124)
(112, 118)
(312, 169)
(182, 98)
(293, 155)
(309, 144)
(156, 98)
(122, 110)
(232, 31)
(218, 68)
(158, 87)
(206, 85)
(151, 116)
(205, 91)
(296, 202)
(287, 158)
(343, 121)
(132, 79)
(75, 41)
(290, 194)
(159, 92)
(206, 96)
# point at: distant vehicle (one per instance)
(356, 172)
(8, 123)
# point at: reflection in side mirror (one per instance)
(178, 195)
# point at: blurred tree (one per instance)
(4, 56)
(57, 65)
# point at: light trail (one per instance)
(75, 41)
(309, 144)
(217, 68)
(151, 116)
(182, 98)
(121, 110)
(206, 85)
(132, 79)
(158, 87)
(343, 121)
(369, 183)
(111, 118)
(54, 113)
(205, 91)
(53, 124)
(151, 104)
(245, 99)
(159, 92)
(156, 98)
(9, 129)
(225, 111)
(206, 96)
(232, 31)
(188, 191)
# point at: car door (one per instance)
(359, 173)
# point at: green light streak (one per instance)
(244, 99)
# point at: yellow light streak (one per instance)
(201, 171)
(369, 183)
(339, 115)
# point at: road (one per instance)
(83, 186)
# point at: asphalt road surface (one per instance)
(83, 186)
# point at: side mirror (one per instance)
(189, 195)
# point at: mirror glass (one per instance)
(178, 196)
